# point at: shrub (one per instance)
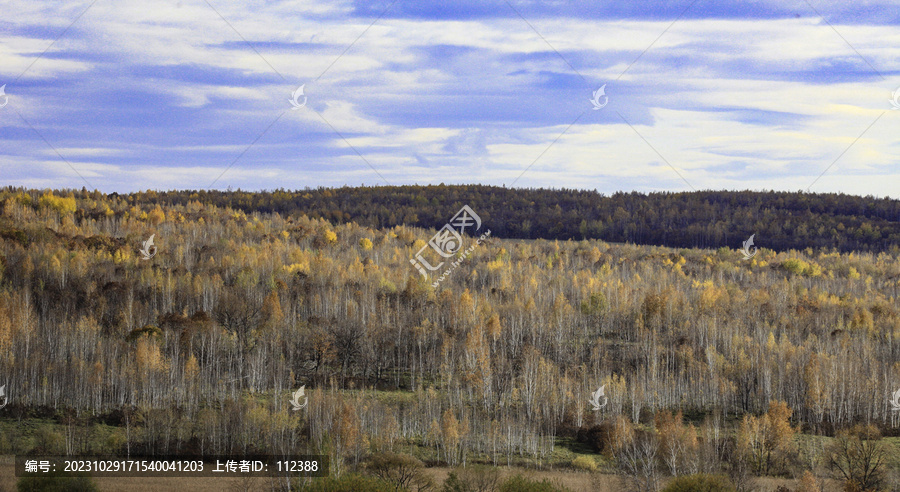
(47, 440)
(349, 482)
(700, 482)
(56, 482)
(518, 483)
(585, 463)
(401, 470)
(477, 478)
(808, 483)
(610, 436)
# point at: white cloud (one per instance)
(729, 102)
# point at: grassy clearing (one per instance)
(575, 481)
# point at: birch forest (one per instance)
(712, 366)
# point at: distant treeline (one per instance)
(703, 219)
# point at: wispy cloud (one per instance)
(756, 94)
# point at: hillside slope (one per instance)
(703, 219)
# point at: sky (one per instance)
(199, 94)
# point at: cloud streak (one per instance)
(753, 95)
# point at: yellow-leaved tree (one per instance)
(767, 441)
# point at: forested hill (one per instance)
(705, 219)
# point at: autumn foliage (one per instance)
(708, 361)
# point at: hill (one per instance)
(198, 347)
(702, 219)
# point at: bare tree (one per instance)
(402, 470)
(638, 462)
(858, 454)
(240, 316)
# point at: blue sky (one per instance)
(168, 94)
